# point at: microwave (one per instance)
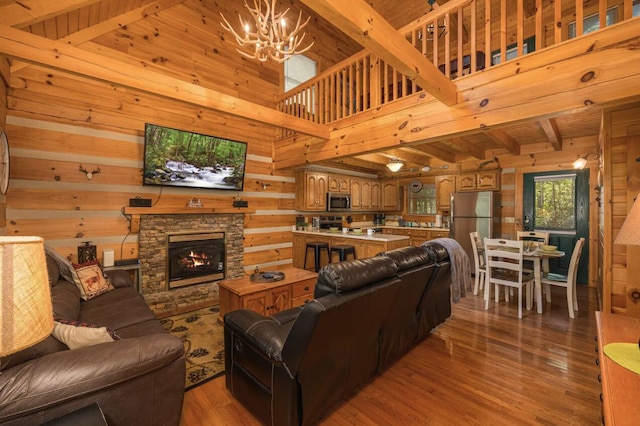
(338, 202)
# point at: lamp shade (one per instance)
(395, 164)
(630, 232)
(26, 316)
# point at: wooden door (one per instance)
(280, 299)
(375, 195)
(356, 193)
(445, 185)
(257, 302)
(466, 182)
(365, 196)
(488, 181)
(390, 192)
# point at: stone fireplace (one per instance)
(159, 231)
(194, 258)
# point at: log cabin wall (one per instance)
(4, 84)
(621, 135)
(58, 122)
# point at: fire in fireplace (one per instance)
(194, 258)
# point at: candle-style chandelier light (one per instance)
(269, 36)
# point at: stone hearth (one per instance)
(152, 240)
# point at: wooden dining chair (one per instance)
(536, 236)
(504, 268)
(567, 281)
(479, 263)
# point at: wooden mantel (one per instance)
(136, 212)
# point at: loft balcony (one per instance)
(459, 39)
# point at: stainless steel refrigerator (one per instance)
(473, 211)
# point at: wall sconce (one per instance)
(395, 164)
(582, 161)
(88, 173)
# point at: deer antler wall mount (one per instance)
(89, 173)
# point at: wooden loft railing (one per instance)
(478, 31)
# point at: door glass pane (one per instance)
(554, 207)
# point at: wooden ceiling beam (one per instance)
(550, 128)
(22, 13)
(109, 25)
(503, 139)
(436, 152)
(500, 97)
(367, 27)
(467, 148)
(24, 46)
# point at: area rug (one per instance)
(203, 341)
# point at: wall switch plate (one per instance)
(240, 203)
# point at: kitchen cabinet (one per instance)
(481, 181)
(445, 186)
(390, 195)
(360, 194)
(364, 246)
(311, 195)
(339, 183)
(417, 236)
(376, 196)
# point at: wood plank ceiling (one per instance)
(78, 21)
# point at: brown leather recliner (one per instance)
(293, 367)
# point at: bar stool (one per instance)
(343, 251)
(317, 247)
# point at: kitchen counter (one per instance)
(425, 228)
(377, 237)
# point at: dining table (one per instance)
(538, 256)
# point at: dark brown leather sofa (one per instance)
(138, 380)
(293, 367)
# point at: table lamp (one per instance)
(26, 315)
(630, 232)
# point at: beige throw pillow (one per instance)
(79, 337)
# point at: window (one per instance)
(297, 70)
(554, 207)
(512, 50)
(423, 202)
(592, 22)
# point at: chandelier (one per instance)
(270, 37)
(395, 164)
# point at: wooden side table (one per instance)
(267, 298)
(620, 387)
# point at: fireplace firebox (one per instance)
(194, 258)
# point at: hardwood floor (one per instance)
(478, 368)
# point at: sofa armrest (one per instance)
(265, 335)
(119, 278)
(61, 377)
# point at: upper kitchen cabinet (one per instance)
(481, 181)
(360, 194)
(390, 195)
(445, 186)
(311, 191)
(339, 183)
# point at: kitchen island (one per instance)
(365, 245)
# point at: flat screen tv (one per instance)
(185, 159)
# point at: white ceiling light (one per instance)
(395, 164)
